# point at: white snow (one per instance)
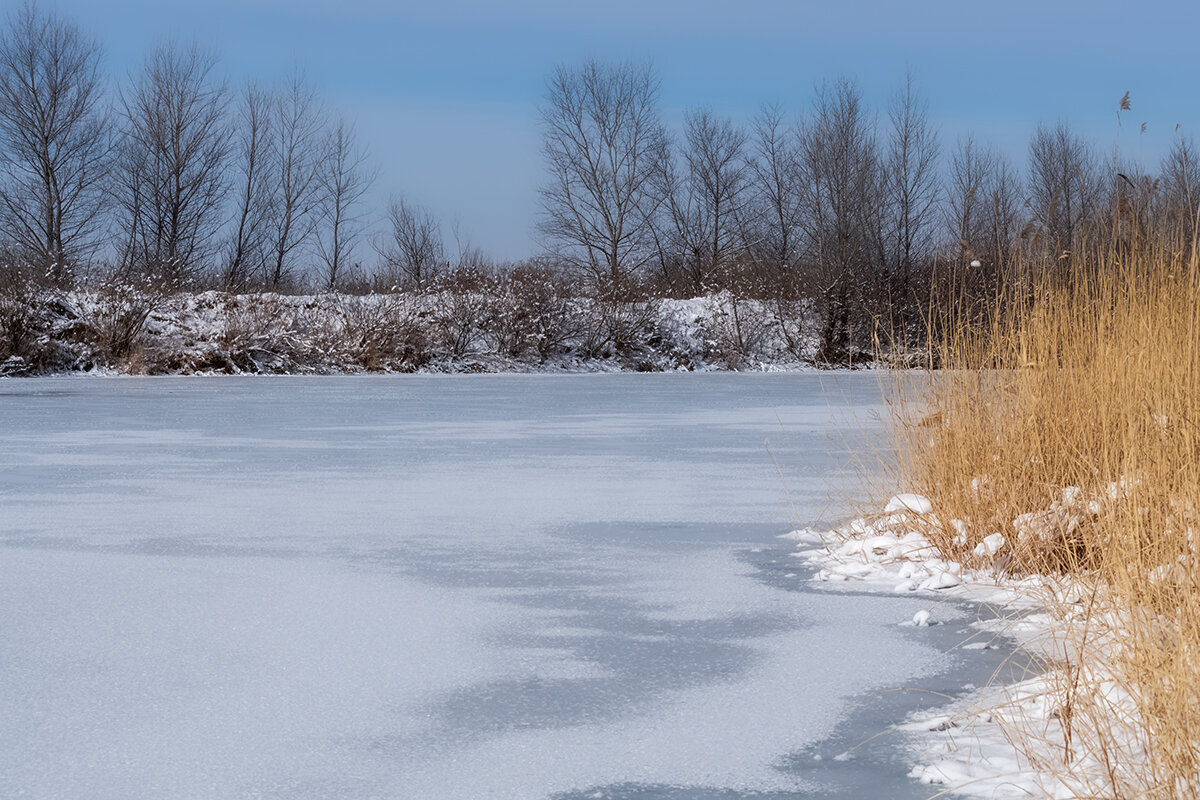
(990, 545)
(968, 748)
(909, 502)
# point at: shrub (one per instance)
(531, 310)
(384, 331)
(736, 329)
(616, 328)
(461, 308)
(19, 298)
(114, 321)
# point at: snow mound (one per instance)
(968, 747)
(909, 502)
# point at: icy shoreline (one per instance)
(999, 741)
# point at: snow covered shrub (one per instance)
(19, 296)
(617, 328)
(460, 308)
(531, 311)
(791, 315)
(384, 331)
(253, 322)
(736, 329)
(114, 319)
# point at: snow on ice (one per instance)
(967, 748)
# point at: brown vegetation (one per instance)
(1067, 418)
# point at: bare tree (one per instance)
(770, 231)
(1006, 215)
(1180, 190)
(701, 200)
(912, 185)
(717, 179)
(296, 130)
(842, 197)
(172, 163)
(468, 255)
(1127, 199)
(669, 219)
(971, 168)
(344, 177)
(255, 194)
(983, 211)
(602, 140)
(414, 252)
(1062, 185)
(53, 140)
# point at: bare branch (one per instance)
(54, 145)
(171, 170)
(602, 140)
(414, 253)
(345, 176)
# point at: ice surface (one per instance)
(428, 587)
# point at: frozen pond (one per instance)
(433, 587)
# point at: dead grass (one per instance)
(1067, 418)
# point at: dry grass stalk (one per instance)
(1067, 418)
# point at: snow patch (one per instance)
(909, 502)
(967, 747)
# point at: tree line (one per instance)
(868, 219)
(177, 180)
(176, 177)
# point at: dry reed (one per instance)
(1066, 416)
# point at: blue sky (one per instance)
(446, 95)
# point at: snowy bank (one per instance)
(1001, 741)
(494, 328)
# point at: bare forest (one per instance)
(173, 221)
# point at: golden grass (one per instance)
(1066, 416)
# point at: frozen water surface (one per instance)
(436, 587)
